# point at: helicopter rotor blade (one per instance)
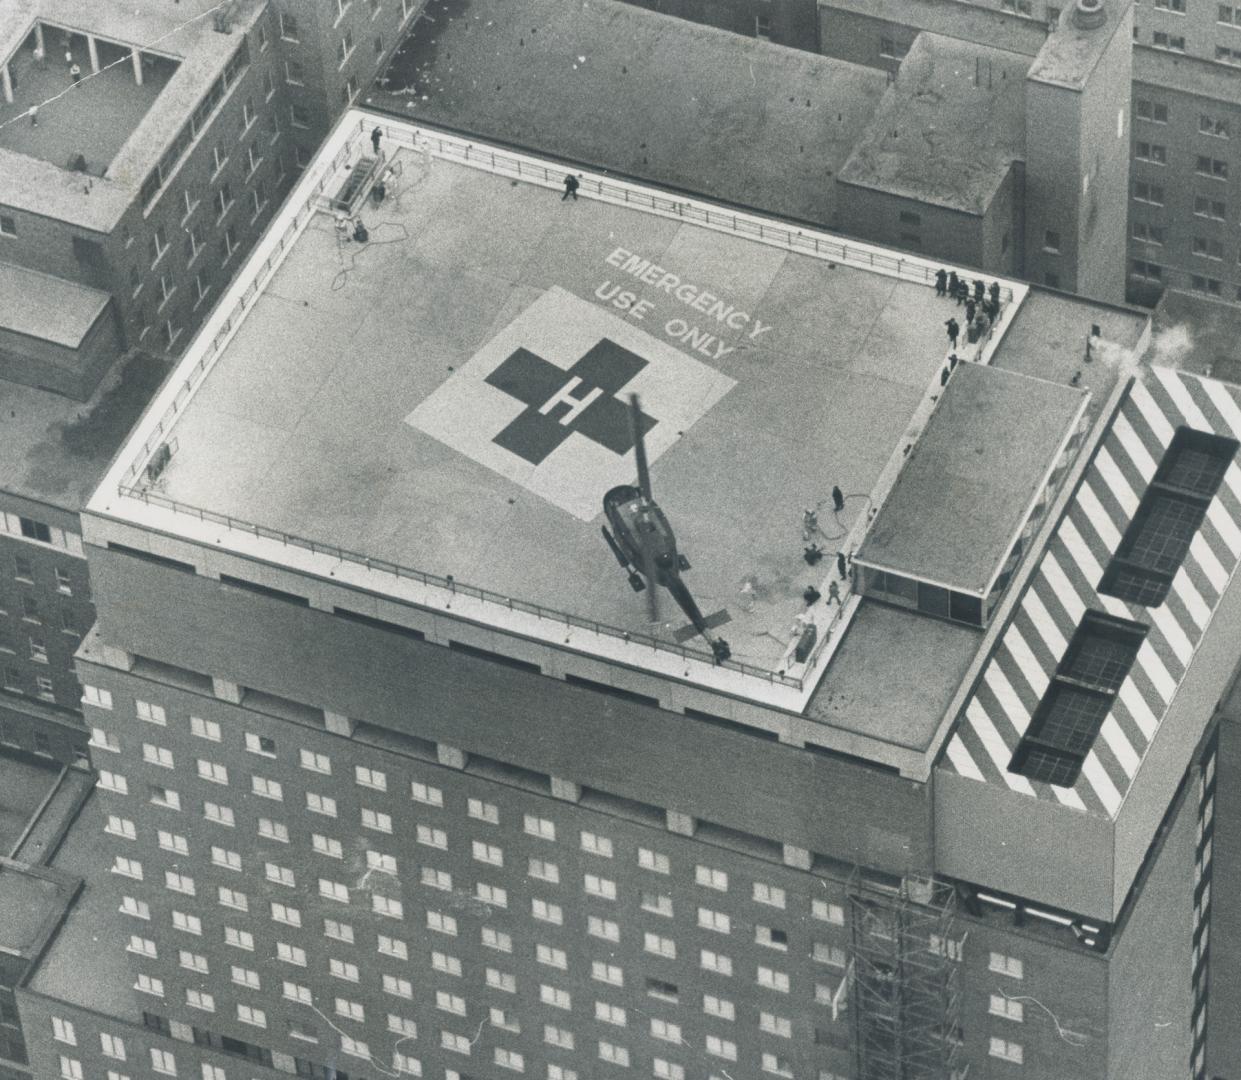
(639, 447)
(651, 573)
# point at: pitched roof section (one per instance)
(1065, 586)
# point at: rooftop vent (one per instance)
(1089, 14)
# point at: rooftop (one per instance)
(1072, 52)
(54, 449)
(392, 399)
(183, 54)
(687, 106)
(85, 963)
(26, 784)
(31, 901)
(93, 118)
(42, 306)
(972, 478)
(948, 129)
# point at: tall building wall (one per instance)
(786, 22)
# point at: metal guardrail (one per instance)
(450, 585)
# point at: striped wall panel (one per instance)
(1064, 586)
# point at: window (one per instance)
(212, 772)
(545, 912)
(1215, 126)
(436, 879)
(487, 853)
(339, 969)
(247, 1014)
(719, 1007)
(659, 945)
(1006, 965)
(266, 789)
(370, 778)
(1172, 42)
(165, 797)
(230, 860)
(616, 1055)
(190, 924)
(665, 1030)
(101, 740)
(610, 1014)
(282, 913)
(657, 904)
(653, 861)
(292, 991)
(197, 999)
(773, 980)
(152, 714)
(8, 225)
(239, 939)
(449, 965)
(711, 879)
(1007, 1051)
(717, 962)
(288, 27)
(339, 931)
(333, 890)
(721, 1048)
(607, 929)
(1210, 286)
(714, 920)
(373, 819)
(667, 1070)
(496, 939)
(558, 1036)
(1171, 5)
(1148, 193)
(260, 744)
(382, 905)
(63, 1031)
(279, 875)
(319, 763)
(426, 835)
(828, 912)
(1168, 517)
(1147, 271)
(221, 815)
(1208, 248)
(1148, 233)
(501, 980)
(444, 924)
(540, 827)
(1212, 167)
(162, 1061)
(601, 887)
(771, 937)
(205, 729)
(112, 1046)
(137, 908)
(148, 985)
(491, 894)
(273, 830)
(483, 811)
(593, 844)
(320, 804)
(122, 827)
(1226, 55)
(245, 977)
(290, 954)
(1006, 1007)
(542, 870)
(192, 961)
(1210, 208)
(551, 995)
(552, 957)
(93, 695)
(1154, 111)
(768, 894)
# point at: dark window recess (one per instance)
(660, 989)
(732, 725)
(158, 560)
(504, 773)
(619, 806)
(1168, 518)
(379, 624)
(1067, 720)
(964, 608)
(264, 590)
(154, 1022)
(495, 658)
(614, 691)
(933, 599)
(36, 530)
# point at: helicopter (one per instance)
(644, 544)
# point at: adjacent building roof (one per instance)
(1065, 585)
(967, 21)
(972, 477)
(948, 129)
(638, 93)
(51, 308)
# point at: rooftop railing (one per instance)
(452, 585)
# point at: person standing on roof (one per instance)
(954, 332)
(376, 135)
(953, 281)
(570, 187)
(75, 73)
(941, 282)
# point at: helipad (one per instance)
(451, 396)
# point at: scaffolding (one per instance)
(905, 980)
